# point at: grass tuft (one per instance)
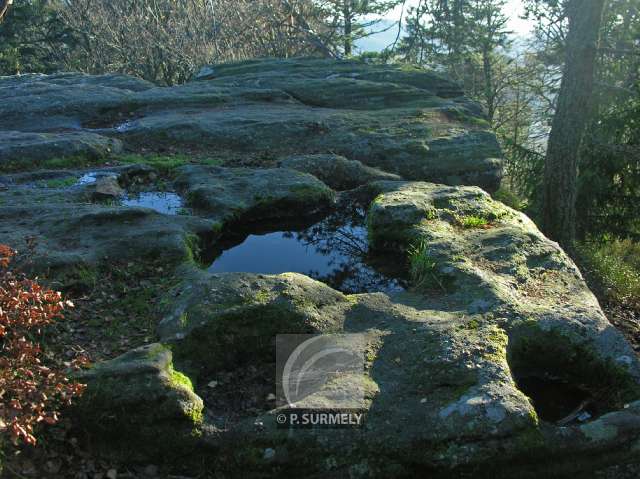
(423, 269)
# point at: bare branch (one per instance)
(4, 6)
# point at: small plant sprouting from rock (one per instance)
(193, 248)
(32, 391)
(423, 268)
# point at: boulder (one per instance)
(493, 260)
(220, 321)
(140, 403)
(107, 188)
(409, 122)
(246, 194)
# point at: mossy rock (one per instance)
(139, 401)
(74, 236)
(406, 121)
(26, 151)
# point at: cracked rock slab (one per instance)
(337, 171)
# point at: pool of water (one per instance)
(332, 249)
(161, 201)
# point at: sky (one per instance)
(514, 9)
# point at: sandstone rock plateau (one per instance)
(491, 313)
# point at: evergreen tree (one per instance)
(466, 38)
(488, 34)
(349, 18)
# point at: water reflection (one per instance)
(160, 201)
(332, 249)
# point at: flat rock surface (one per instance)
(20, 150)
(405, 121)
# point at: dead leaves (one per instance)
(30, 392)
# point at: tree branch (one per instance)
(4, 6)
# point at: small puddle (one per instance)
(123, 127)
(87, 178)
(161, 201)
(556, 401)
(333, 250)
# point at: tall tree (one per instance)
(465, 37)
(570, 120)
(438, 33)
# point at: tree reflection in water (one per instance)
(332, 249)
(342, 238)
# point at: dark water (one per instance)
(554, 400)
(332, 249)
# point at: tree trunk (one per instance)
(488, 83)
(348, 29)
(570, 120)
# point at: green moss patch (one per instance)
(473, 222)
(167, 164)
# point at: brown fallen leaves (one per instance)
(31, 392)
